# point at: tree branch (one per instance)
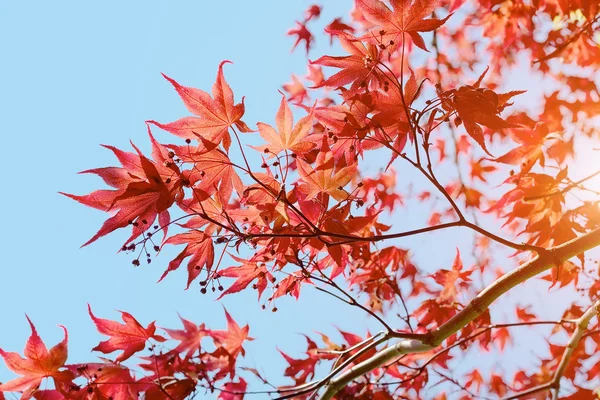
(544, 261)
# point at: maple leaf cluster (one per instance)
(415, 119)
(192, 359)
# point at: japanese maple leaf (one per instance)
(477, 106)
(311, 12)
(216, 114)
(233, 338)
(287, 136)
(176, 389)
(245, 274)
(530, 151)
(212, 171)
(189, 337)
(450, 278)
(406, 17)
(39, 363)
(302, 33)
(337, 25)
(324, 178)
(358, 68)
(129, 337)
(199, 247)
(233, 390)
(105, 380)
(144, 189)
(296, 90)
(300, 370)
(478, 171)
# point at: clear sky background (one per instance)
(78, 74)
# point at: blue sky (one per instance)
(78, 74)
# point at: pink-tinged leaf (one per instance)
(233, 390)
(189, 337)
(233, 338)
(287, 137)
(216, 114)
(129, 337)
(245, 274)
(199, 247)
(39, 363)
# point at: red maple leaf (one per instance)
(337, 25)
(217, 114)
(39, 363)
(296, 90)
(324, 178)
(233, 390)
(302, 33)
(477, 106)
(144, 189)
(300, 370)
(407, 17)
(358, 68)
(189, 337)
(105, 380)
(530, 150)
(199, 247)
(233, 338)
(449, 279)
(287, 136)
(311, 12)
(245, 274)
(129, 337)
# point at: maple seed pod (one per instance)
(188, 141)
(457, 121)
(266, 150)
(294, 155)
(203, 290)
(171, 154)
(168, 180)
(156, 248)
(392, 42)
(274, 309)
(360, 184)
(264, 165)
(136, 263)
(382, 32)
(220, 288)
